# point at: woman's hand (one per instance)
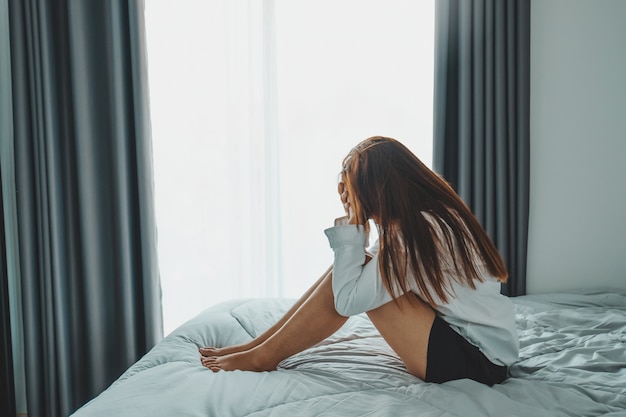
(350, 217)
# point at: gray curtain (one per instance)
(83, 174)
(7, 389)
(481, 117)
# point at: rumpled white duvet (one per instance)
(572, 363)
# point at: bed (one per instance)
(572, 363)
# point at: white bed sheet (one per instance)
(572, 363)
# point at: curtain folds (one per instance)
(83, 174)
(7, 388)
(7, 384)
(481, 117)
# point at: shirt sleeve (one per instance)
(356, 287)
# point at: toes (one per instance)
(211, 363)
(207, 351)
(212, 366)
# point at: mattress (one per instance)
(572, 363)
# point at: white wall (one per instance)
(577, 231)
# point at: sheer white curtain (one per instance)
(254, 105)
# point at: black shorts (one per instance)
(451, 356)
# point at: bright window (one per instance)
(254, 105)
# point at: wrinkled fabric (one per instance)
(572, 363)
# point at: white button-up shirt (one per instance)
(482, 315)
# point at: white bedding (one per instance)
(572, 363)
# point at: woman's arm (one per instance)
(357, 284)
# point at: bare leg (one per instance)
(212, 351)
(405, 326)
(314, 320)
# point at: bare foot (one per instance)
(245, 361)
(213, 351)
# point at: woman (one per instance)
(430, 284)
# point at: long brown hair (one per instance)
(389, 184)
